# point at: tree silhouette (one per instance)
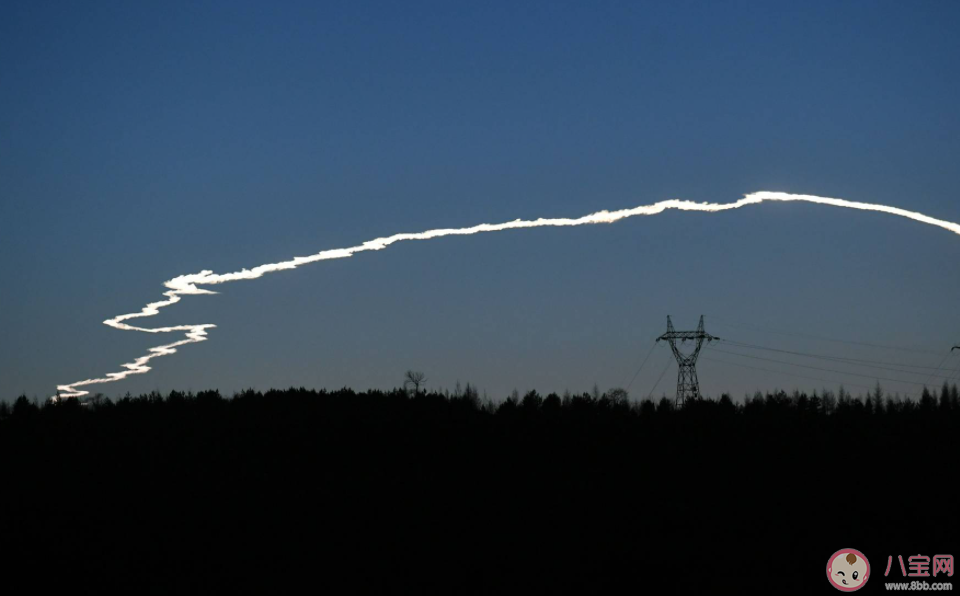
(23, 407)
(419, 490)
(618, 395)
(415, 379)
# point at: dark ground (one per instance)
(351, 493)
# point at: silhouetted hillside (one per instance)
(389, 492)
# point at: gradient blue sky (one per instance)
(140, 141)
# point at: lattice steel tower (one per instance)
(687, 385)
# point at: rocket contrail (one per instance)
(188, 284)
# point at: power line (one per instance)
(783, 372)
(821, 338)
(881, 362)
(840, 359)
(842, 372)
(647, 357)
(939, 366)
(650, 395)
(955, 373)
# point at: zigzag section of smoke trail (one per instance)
(188, 284)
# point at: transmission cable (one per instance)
(840, 359)
(650, 396)
(944, 359)
(953, 374)
(821, 338)
(842, 372)
(782, 372)
(647, 357)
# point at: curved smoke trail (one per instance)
(188, 284)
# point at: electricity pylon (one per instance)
(687, 385)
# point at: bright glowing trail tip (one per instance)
(188, 284)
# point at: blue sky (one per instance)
(141, 141)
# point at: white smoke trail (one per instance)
(188, 284)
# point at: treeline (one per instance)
(614, 402)
(397, 492)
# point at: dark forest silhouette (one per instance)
(412, 491)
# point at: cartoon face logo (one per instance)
(848, 570)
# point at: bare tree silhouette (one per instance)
(415, 378)
(618, 395)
